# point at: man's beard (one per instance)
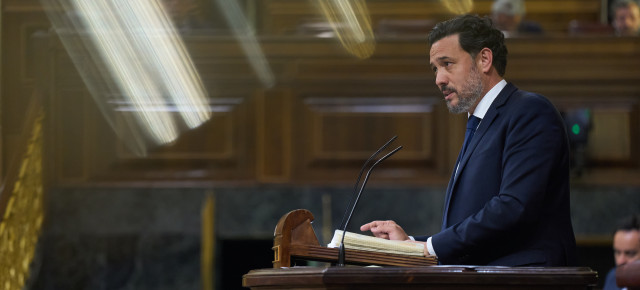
(468, 95)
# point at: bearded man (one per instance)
(507, 202)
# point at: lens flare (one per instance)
(458, 6)
(351, 23)
(248, 41)
(135, 65)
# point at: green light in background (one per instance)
(575, 129)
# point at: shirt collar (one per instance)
(488, 99)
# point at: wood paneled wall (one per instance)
(328, 111)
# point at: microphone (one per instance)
(356, 198)
(355, 186)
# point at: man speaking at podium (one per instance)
(507, 202)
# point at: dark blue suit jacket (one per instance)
(610, 281)
(508, 204)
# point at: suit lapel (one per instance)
(485, 124)
(447, 197)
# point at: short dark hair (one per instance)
(629, 224)
(475, 33)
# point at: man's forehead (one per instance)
(444, 48)
(627, 236)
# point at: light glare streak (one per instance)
(121, 58)
(130, 52)
(458, 6)
(351, 23)
(154, 34)
(246, 36)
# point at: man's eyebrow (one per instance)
(439, 59)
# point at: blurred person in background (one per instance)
(625, 16)
(626, 247)
(508, 17)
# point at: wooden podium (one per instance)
(434, 277)
(295, 238)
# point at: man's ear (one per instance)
(485, 59)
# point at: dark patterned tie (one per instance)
(472, 124)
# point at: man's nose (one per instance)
(441, 79)
(621, 260)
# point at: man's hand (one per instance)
(386, 229)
